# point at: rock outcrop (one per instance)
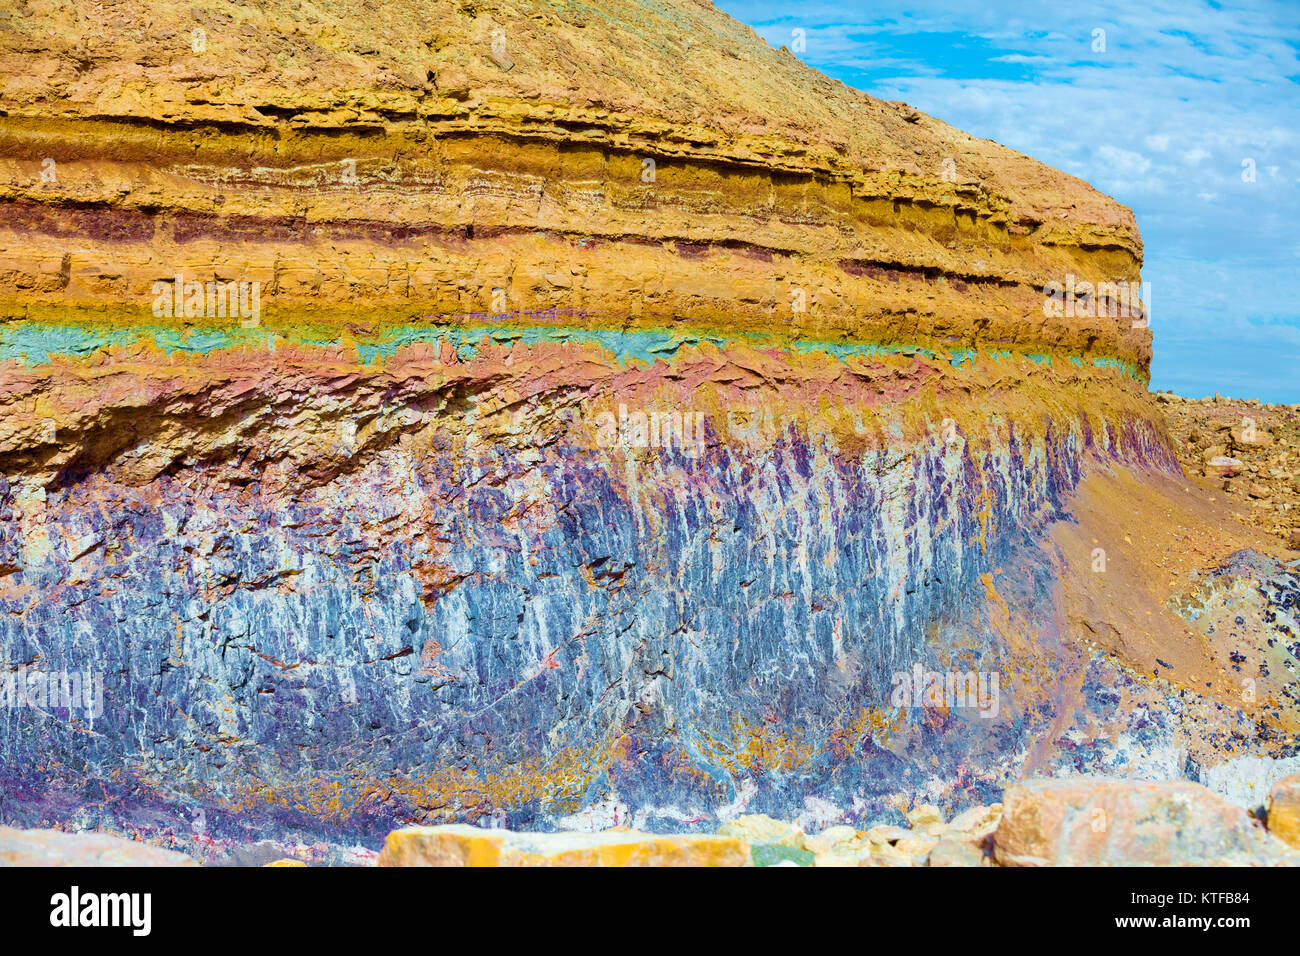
(631, 169)
(489, 413)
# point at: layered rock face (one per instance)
(542, 414)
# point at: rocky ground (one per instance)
(1053, 822)
(1245, 448)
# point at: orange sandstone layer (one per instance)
(654, 166)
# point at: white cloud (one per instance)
(1161, 121)
(1124, 160)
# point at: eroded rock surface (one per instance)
(626, 432)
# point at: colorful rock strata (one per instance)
(633, 434)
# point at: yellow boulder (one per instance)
(1284, 810)
(460, 845)
(759, 829)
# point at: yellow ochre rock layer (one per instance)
(451, 158)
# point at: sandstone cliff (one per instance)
(650, 166)
(605, 410)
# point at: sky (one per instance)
(1186, 112)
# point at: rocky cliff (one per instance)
(563, 413)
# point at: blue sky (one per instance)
(1163, 119)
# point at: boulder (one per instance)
(1284, 810)
(839, 846)
(886, 854)
(1101, 822)
(758, 829)
(1251, 438)
(977, 821)
(917, 847)
(835, 838)
(1221, 466)
(959, 850)
(56, 848)
(887, 835)
(926, 819)
(462, 845)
